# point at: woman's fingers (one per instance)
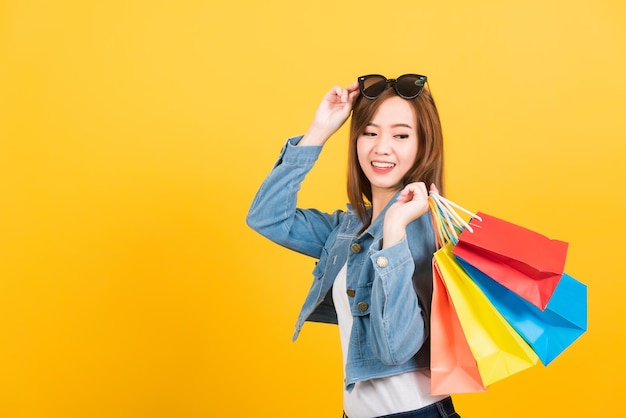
(344, 95)
(413, 191)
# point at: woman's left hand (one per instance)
(411, 203)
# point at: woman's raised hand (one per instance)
(331, 114)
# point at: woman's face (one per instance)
(387, 149)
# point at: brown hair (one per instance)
(428, 167)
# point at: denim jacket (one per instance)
(389, 289)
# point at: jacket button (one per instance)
(356, 248)
(351, 292)
(382, 262)
(362, 306)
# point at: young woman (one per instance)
(374, 274)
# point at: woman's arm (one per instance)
(398, 323)
(273, 212)
(397, 320)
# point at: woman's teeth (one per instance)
(382, 165)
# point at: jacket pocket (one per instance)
(320, 265)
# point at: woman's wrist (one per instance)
(315, 136)
(393, 233)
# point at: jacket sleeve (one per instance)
(399, 315)
(273, 212)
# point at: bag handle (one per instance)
(447, 223)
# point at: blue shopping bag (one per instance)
(549, 332)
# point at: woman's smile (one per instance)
(382, 167)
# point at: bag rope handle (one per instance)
(447, 223)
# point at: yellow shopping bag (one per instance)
(498, 349)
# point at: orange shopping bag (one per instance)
(452, 365)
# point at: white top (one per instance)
(382, 396)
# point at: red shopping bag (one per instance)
(524, 261)
(452, 365)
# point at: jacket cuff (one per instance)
(387, 260)
(298, 155)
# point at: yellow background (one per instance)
(133, 135)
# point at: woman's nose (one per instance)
(383, 145)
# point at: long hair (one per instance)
(428, 167)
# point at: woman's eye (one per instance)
(369, 134)
(402, 136)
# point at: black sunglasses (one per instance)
(408, 86)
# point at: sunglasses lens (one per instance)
(372, 86)
(410, 86)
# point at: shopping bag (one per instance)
(497, 348)
(524, 261)
(452, 365)
(549, 332)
